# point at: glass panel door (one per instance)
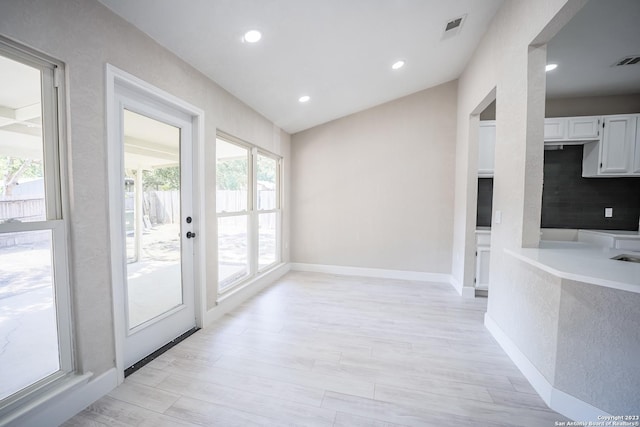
(152, 167)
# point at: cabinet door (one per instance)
(486, 149)
(636, 157)
(555, 129)
(584, 127)
(618, 138)
(482, 267)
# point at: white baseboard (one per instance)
(559, 401)
(237, 296)
(58, 408)
(456, 285)
(372, 272)
(463, 291)
(468, 292)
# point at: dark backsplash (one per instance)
(571, 201)
(485, 200)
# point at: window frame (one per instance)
(232, 281)
(53, 107)
(253, 215)
(276, 210)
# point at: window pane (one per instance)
(267, 244)
(130, 214)
(22, 196)
(232, 177)
(267, 179)
(28, 331)
(233, 261)
(152, 217)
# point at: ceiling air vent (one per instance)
(628, 60)
(453, 27)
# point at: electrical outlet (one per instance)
(608, 212)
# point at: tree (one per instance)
(13, 168)
(266, 169)
(231, 174)
(163, 179)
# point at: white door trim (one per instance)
(117, 77)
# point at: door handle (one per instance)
(190, 235)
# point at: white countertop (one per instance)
(618, 234)
(584, 263)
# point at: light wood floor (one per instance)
(323, 350)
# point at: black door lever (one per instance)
(190, 235)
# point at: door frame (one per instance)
(116, 77)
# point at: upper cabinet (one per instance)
(611, 143)
(555, 129)
(584, 127)
(568, 129)
(618, 144)
(618, 153)
(486, 148)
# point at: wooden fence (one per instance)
(22, 209)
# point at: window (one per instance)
(248, 210)
(35, 321)
(268, 214)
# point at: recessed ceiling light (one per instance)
(397, 65)
(550, 67)
(304, 98)
(252, 36)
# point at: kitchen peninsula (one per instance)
(573, 323)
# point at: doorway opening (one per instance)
(486, 137)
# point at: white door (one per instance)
(157, 223)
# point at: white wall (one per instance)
(543, 318)
(582, 106)
(86, 36)
(375, 189)
(605, 374)
(593, 105)
(504, 63)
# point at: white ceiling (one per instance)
(600, 34)
(339, 52)
(20, 111)
(149, 143)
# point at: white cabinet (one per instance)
(483, 258)
(568, 129)
(618, 142)
(583, 127)
(486, 148)
(618, 154)
(611, 143)
(636, 157)
(555, 129)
